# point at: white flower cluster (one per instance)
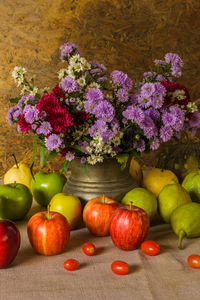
(178, 94)
(19, 76)
(77, 65)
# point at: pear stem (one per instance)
(103, 198)
(15, 160)
(131, 204)
(181, 235)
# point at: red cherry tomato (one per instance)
(150, 248)
(194, 261)
(71, 264)
(120, 267)
(89, 249)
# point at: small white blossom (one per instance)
(89, 149)
(92, 160)
(81, 81)
(178, 94)
(94, 85)
(107, 149)
(113, 153)
(34, 91)
(62, 73)
(192, 107)
(70, 72)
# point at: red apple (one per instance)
(129, 227)
(48, 232)
(97, 214)
(9, 242)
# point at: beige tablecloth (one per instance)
(163, 277)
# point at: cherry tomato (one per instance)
(150, 248)
(89, 249)
(120, 267)
(194, 261)
(71, 264)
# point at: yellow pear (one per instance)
(19, 173)
(136, 171)
(157, 179)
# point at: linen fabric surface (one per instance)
(162, 277)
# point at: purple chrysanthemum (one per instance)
(134, 113)
(195, 120)
(69, 156)
(94, 94)
(69, 85)
(176, 63)
(153, 113)
(45, 128)
(122, 95)
(90, 106)
(168, 119)
(68, 49)
(105, 111)
(17, 113)
(158, 95)
(147, 89)
(180, 117)
(53, 142)
(160, 62)
(9, 116)
(155, 144)
(83, 160)
(119, 78)
(31, 115)
(139, 145)
(166, 133)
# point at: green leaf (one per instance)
(43, 155)
(86, 170)
(15, 100)
(87, 79)
(137, 155)
(34, 155)
(65, 166)
(79, 148)
(122, 160)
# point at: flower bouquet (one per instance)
(93, 117)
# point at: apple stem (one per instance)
(103, 198)
(15, 160)
(48, 212)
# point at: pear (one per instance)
(185, 221)
(19, 173)
(171, 196)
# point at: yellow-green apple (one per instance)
(19, 173)
(9, 242)
(48, 232)
(97, 214)
(45, 185)
(129, 227)
(69, 206)
(15, 201)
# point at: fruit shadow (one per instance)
(24, 257)
(77, 240)
(134, 268)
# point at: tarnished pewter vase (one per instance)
(105, 178)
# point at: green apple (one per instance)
(19, 173)
(69, 206)
(15, 201)
(46, 185)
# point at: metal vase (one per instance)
(105, 178)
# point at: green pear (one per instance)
(185, 221)
(142, 198)
(171, 196)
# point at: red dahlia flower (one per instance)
(24, 126)
(58, 92)
(80, 117)
(56, 113)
